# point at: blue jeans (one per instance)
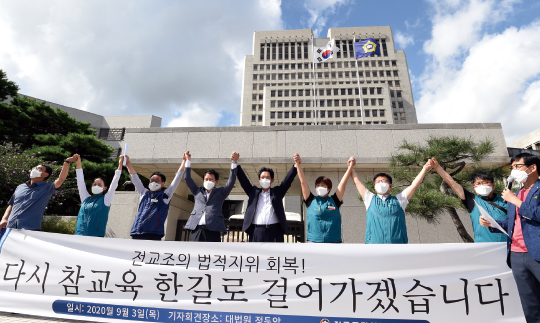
(526, 271)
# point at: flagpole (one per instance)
(358, 81)
(314, 77)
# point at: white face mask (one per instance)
(154, 186)
(519, 176)
(321, 191)
(265, 183)
(35, 173)
(382, 188)
(208, 185)
(483, 190)
(97, 190)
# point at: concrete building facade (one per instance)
(161, 149)
(277, 88)
(529, 141)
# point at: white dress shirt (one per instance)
(265, 213)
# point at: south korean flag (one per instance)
(321, 54)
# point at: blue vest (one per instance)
(386, 221)
(323, 224)
(482, 234)
(93, 216)
(152, 214)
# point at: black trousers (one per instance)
(267, 233)
(147, 236)
(202, 234)
(526, 273)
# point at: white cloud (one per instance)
(403, 40)
(133, 57)
(320, 11)
(196, 116)
(483, 77)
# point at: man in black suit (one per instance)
(264, 220)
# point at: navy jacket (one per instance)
(211, 208)
(530, 223)
(277, 193)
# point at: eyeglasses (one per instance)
(516, 166)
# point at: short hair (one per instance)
(212, 172)
(105, 182)
(528, 160)
(383, 175)
(325, 180)
(483, 177)
(265, 169)
(160, 174)
(48, 169)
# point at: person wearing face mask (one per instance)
(483, 185)
(385, 218)
(206, 220)
(323, 216)
(153, 203)
(27, 205)
(94, 212)
(523, 227)
(264, 219)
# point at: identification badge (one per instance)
(154, 200)
(331, 208)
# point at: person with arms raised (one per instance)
(206, 220)
(154, 203)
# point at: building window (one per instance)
(308, 104)
(260, 96)
(300, 114)
(371, 90)
(366, 112)
(374, 112)
(351, 113)
(254, 107)
(343, 103)
(300, 104)
(373, 101)
(272, 115)
(397, 83)
(329, 103)
(260, 118)
(321, 92)
(272, 104)
(336, 103)
(280, 115)
(293, 114)
(321, 103)
(286, 92)
(380, 101)
(300, 92)
(308, 114)
(364, 91)
(293, 104)
(253, 118)
(279, 104)
(322, 113)
(279, 93)
(286, 114)
(351, 101)
(395, 73)
(381, 113)
(286, 104)
(398, 94)
(345, 114)
(400, 105)
(349, 91)
(293, 92)
(330, 114)
(366, 102)
(337, 114)
(342, 91)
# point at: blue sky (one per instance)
(470, 60)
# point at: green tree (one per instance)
(460, 158)
(7, 87)
(34, 133)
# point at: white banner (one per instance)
(114, 280)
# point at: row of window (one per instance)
(260, 86)
(324, 114)
(327, 103)
(320, 75)
(273, 67)
(329, 92)
(299, 50)
(337, 123)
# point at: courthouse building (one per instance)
(278, 89)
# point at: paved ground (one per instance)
(20, 318)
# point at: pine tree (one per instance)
(460, 158)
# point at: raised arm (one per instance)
(244, 181)
(139, 187)
(359, 185)
(303, 182)
(114, 183)
(287, 181)
(64, 172)
(458, 189)
(343, 184)
(232, 176)
(81, 185)
(189, 181)
(409, 191)
(177, 179)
